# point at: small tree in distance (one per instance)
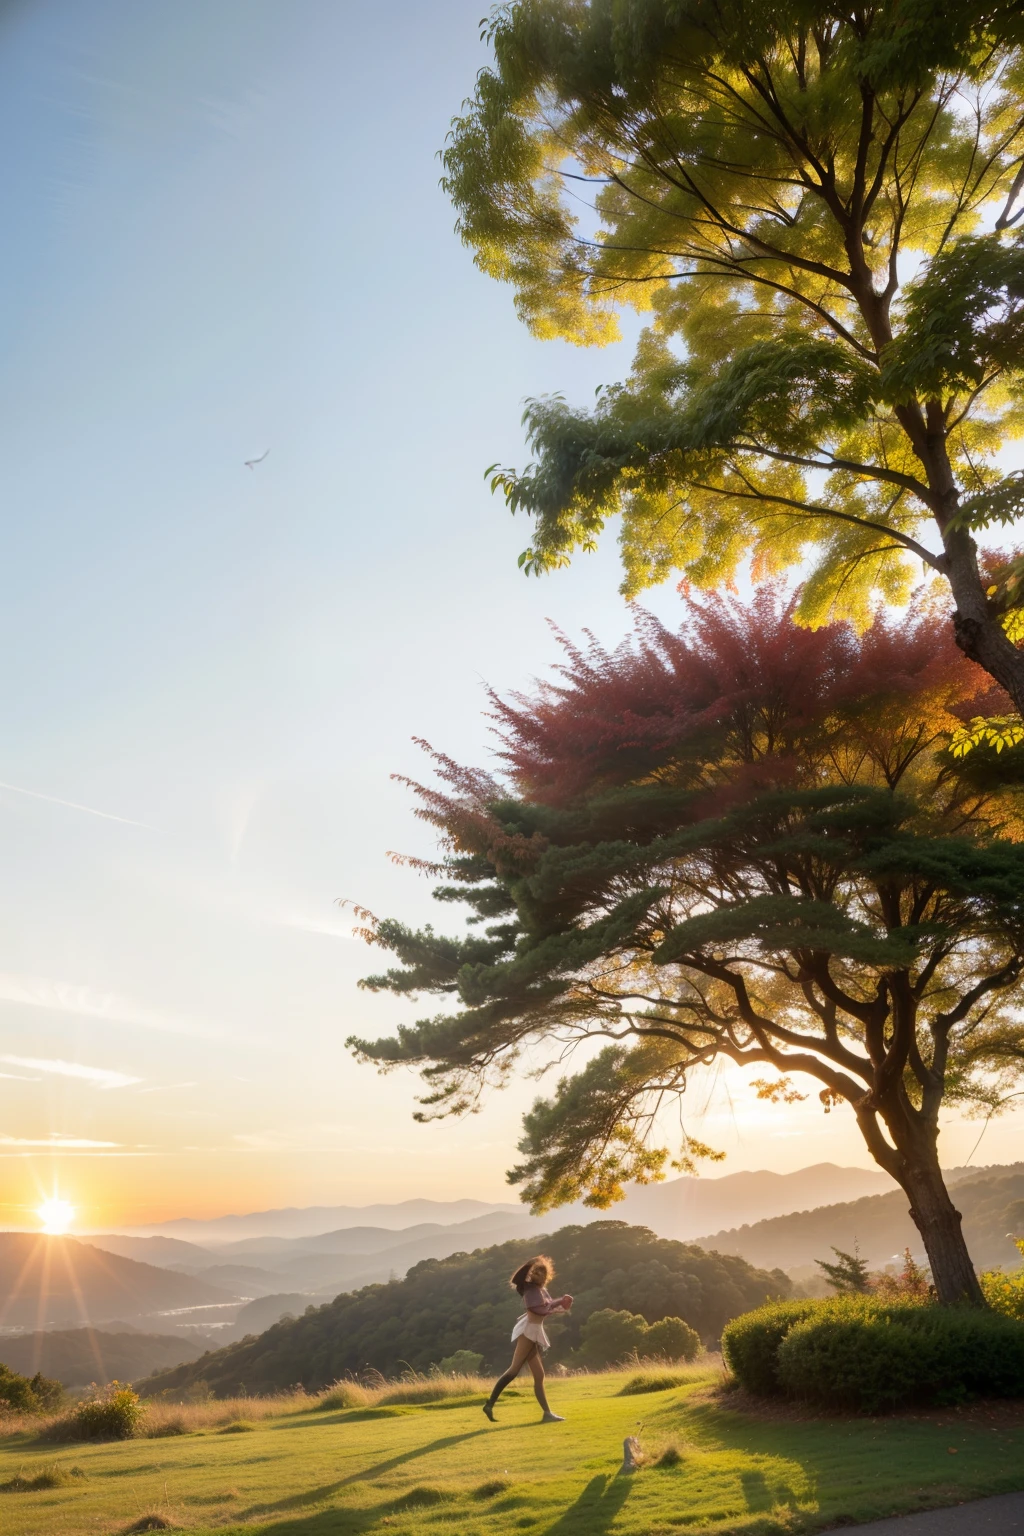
(910, 1283)
(748, 844)
(818, 208)
(850, 1275)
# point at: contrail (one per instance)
(73, 805)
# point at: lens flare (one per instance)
(56, 1216)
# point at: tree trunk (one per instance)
(938, 1221)
(978, 633)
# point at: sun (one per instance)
(56, 1216)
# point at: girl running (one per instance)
(528, 1336)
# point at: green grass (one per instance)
(419, 1471)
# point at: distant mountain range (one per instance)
(678, 1208)
(991, 1201)
(309, 1221)
(222, 1289)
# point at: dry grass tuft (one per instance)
(344, 1394)
(151, 1522)
(193, 1418)
(431, 1389)
(55, 1476)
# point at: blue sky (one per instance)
(223, 234)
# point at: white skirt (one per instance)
(535, 1331)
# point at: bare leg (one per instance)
(537, 1367)
(525, 1350)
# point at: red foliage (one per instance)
(618, 716)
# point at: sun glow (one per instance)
(56, 1216)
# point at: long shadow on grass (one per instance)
(366, 1474)
(594, 1510)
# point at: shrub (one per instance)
(750, 1343)
(464, 1362)
(1005, 1292)
(860, 1353)
(850, 1359)
(671, 1339)
(28, 1394)
(609, 1336)
(114, 1414)
(907, 1284)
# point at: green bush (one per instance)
(671, 1339)
(866, 1355)
(28, 1394)
(464, 1362)
(750, 1343)
(609, 1336)
(113, 1414)
(850, 1359)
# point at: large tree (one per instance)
(749, 845)
(817, 203)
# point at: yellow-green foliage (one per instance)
(1005, 1292)
(833, 358)
(336, 1472)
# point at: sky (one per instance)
(224, 236)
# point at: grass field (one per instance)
(412, 1469)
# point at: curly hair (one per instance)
(539, 1270)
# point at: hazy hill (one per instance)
(679, 1208)
(313, 1219)
(78, 1356)
(50, 1281)
(464, 1302)
(684, 1208)
(991, 1201)
(167, 1252)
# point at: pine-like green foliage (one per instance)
(818, 209)
(849, 1274)
(748, 844)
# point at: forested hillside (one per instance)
(464, 1302)
(992, 1205)
(77, 1356)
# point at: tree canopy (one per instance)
(744, 841)
(817, 207)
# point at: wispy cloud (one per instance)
(57, 1142)
(102, 1077)
(87, 1002)
(74, 805)
(19, 1077)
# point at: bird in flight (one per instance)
(251, 463)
